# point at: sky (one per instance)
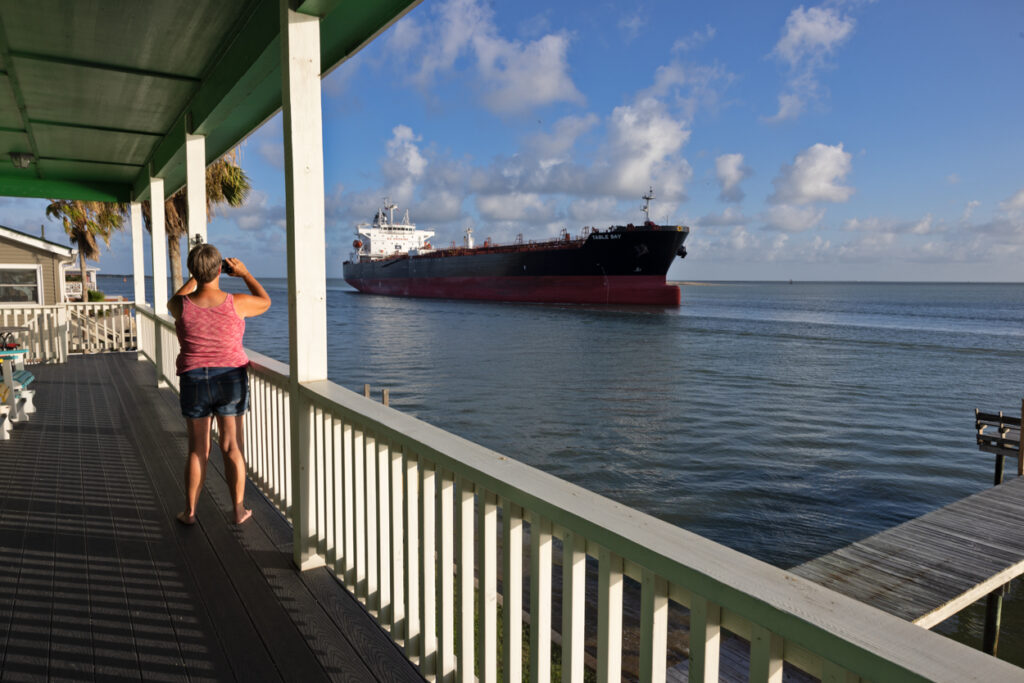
(846, 140)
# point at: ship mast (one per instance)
(647, 204)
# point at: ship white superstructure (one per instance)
(384, 238)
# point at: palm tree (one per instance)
(226, 183)
(84, 221)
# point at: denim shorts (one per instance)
(214, 391)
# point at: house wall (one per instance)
(14, 253)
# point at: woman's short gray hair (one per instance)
(204, 263)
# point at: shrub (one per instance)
(96, 295)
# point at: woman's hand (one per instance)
(238, 268)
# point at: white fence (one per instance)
(419, 524)
(55, 331)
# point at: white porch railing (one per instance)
(56, 330)
(418, 523)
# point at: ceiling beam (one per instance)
(90, 161)
(116, 68)
(315, 8)
(82, 126)
(24, 185)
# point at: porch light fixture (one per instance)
(21, 159)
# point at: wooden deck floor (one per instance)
(98, 581)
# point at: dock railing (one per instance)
(56, 330)
(418, 524)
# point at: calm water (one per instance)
(781, 420)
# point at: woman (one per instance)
(212, 369)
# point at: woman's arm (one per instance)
(174, 303)
(255, 303)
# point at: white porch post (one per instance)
(195, 184)
(138, 261)
(307, 271)
(159, 245)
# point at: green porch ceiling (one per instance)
(103, 92)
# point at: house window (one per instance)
(20, 284)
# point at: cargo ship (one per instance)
(622, 264)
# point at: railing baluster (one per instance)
(348, 467)
(331, 492)
(282, 429)
(512, 590)
(370, 558)
(705, 639)
(383, 533)
(359, 485)
(653, 627)
(467, 591)
(428, 568)
(413, 635)
(255, 425)
(338, 524)
(319, 506)
(398, 557)
(609, 617)
(487, 563)
(540, 598)
(269, 439)
(574, 575)
(446, 537)
(765, 655)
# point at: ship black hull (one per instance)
(616, 267)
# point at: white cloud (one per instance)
(952, 179)
(257, 214)
(404, 158)
(809, 38)
(789, 218)
(731, 171)
(515, 207)
(520, 77)
(644, 140)
(923, 226)
(1014, 203)
(969, 210)
(631, 25)
(812, 34)
(514, 76)
(555, 146)
(728, 218)
(404, 165)
(268, 140)
(689, 87)
(594, 212)
(694, 40)
(814, 176)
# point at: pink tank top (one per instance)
(210, 337)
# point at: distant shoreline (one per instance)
(724, 283)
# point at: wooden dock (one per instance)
(929, 568)
(924, 570)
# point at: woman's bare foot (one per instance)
(241, 518)
(185, 518)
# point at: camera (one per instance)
(226, 267)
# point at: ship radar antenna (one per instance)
(390, 207)
(647, 204)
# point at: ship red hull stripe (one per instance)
(633, 289)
